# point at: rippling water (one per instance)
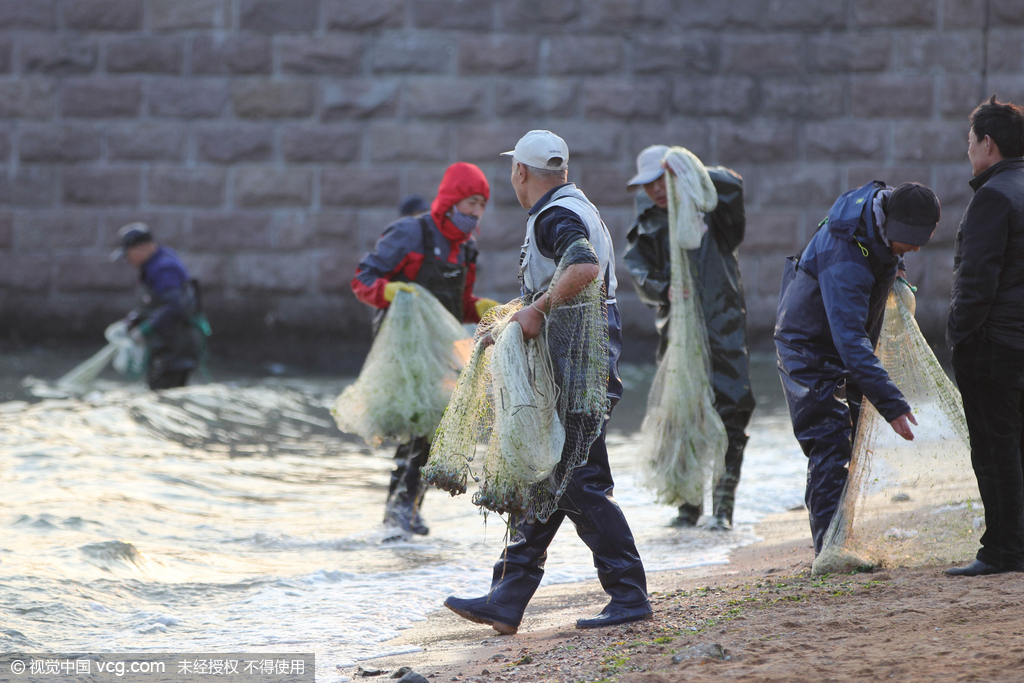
(236, 518)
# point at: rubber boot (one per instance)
(588, 502)
(688, 516)
(514, 580)
(406, 491)
(725, 490)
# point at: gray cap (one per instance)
(648, 166)
(129, 236)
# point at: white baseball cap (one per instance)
(648, 165)
(541, 149)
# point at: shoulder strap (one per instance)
(428, 237)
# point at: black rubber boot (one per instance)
(688, 516)
(724, 494)
(514, 581)
(628, 590)
(405, 494)
(590, 505)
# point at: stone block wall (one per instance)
(270, 141)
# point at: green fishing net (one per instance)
(906, 502)
(683, 436)
(409, 374)
(533, 407)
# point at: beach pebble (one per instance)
(413, 677)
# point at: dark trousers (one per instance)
(991, 380)
(168, 379)
(599, 522)
(824, 411)
(406, 486)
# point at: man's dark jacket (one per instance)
(717, 276)
(832, 303)
(166, 315)
(988, 261)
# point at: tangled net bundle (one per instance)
(129, 358)
(409, 374)
(534, 407)
(906, 501)
(683, 435)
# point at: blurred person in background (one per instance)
(168, 321)
(720, 289)
(413, 205)
(436, 250)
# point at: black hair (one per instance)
(1003, 122)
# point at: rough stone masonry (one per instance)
(269, 141)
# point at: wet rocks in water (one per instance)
(368, 671)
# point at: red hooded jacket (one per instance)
(399, 251)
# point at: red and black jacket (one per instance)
(401, 251)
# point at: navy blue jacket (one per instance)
(168, 297)
(833, 300)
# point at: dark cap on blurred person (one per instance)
(129, 236)
(912, 214)
(413, 205)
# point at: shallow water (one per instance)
(234, 517)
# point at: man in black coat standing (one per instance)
(985, 329)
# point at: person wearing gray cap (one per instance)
(562, 221)
(168, 320)
(720, 289)
(830, 314)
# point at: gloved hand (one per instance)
(392, 289)
(138, 333)
(484, 305)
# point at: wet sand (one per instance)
(762, 617)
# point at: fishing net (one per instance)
(906, 502)
(128, 358)
(409, 374)
(683, 435)
(534, 407)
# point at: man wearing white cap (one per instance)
(720, 289)
(563, 224)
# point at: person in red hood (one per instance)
(436, 251)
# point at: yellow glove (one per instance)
(484, 305)
(392, 289)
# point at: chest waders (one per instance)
(447, 282)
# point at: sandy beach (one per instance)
(762, 617)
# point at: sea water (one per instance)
(235, 517)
